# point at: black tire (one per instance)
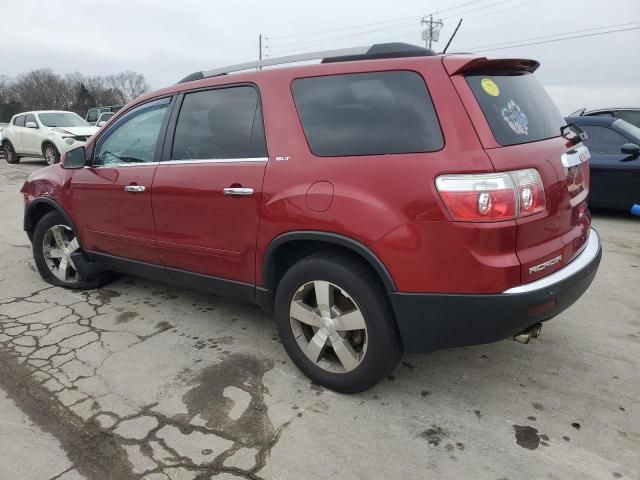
(384, 349)
(50, 154)
(48, 221)
(10, 154)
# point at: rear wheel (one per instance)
(51, 154)
(336, 324)
(53, 243)
(10, 154)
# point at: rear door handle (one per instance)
(238, 191)
(134, 188)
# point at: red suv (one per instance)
(385, 200)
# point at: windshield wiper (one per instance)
(124, 159)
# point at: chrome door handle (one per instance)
(238, 191)
(134, 188)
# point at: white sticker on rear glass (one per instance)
(515, 118)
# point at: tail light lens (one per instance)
(492, 197)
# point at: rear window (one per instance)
(19, 121)
(367, 114)
(517, 107)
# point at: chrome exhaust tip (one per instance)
(526, 336)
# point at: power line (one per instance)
(405, 24)
(476, 9)
(515, 45)
(501, 10)
(501, 44)
(392, 21)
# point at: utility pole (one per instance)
(432, 31)
(260, 50)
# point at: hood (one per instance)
(84, 131)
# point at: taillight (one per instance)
(492, 197)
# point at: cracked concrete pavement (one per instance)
(141, 380)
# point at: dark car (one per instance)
(629, 114)
(328, 194)
(615, 161)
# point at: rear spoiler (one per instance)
(458, 64)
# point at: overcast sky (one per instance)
(167, 40)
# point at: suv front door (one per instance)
(15, 134)
(207, 189)
(31, 136)
(112, 196)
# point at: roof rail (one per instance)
(381, 50)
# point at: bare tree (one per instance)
(43, 89)
(129, 84)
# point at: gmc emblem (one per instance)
(547, 264)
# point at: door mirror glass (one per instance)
(74, 158)
(31, 125)
(631, 149)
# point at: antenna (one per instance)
(453, 35)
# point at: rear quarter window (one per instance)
(516, 106)
(373, 113)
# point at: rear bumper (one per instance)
(429, 322)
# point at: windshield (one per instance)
(631, 130)
(62, 119)
(516, 106)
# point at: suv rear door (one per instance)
(207, 190)
(519, 127)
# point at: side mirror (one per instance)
(102, 123)
(631, 149)
(31, 125)
(74, 158)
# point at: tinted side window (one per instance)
(603, 139)
(133, 139)
(367, 114)
(19, 121)
(223, 123)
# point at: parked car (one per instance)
(46, 134)
(2, 127)
(94, 113)
(410, 202)
(615, 161)
(102, 119)
(629, 114)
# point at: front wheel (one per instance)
(53, 243)
(10, 154)
(51, 154)
(335, 321)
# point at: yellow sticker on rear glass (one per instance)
(490, 87)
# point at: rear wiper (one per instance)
(581, 135)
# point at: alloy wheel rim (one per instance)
(49, 156)
(329, 326)
(58, 244)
